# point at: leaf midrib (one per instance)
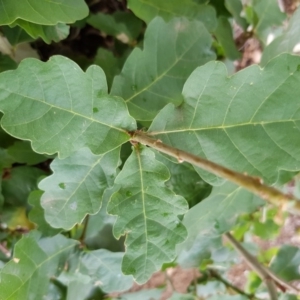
(62, 109)
(166, 71)
(221, 127)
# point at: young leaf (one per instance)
(62, 109)
(147, 213)
(42, 12)
(153, 77)
(122, 25)
(240, 122)
(19, 183)
(169, 9)
(77, 185)
(286, 42)
(217, 214)
(35, 262)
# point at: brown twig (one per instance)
(252, 184)
(213, 273)
(270, 279)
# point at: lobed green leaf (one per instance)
(62, 109)
(147, 213)
(154, 76)
(248, 122)
(77, 186)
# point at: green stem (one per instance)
(252, 184)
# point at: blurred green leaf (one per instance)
(220, 7)
(110, 64)
(253, 282)
(48, 33)
(286, 263)
(269, 15)
(16, 35)
(266, 230)
(7, 63)
(104, 267)
(289, 41)
(185, 181)
(228, 297)
(216, 215)
(235, 7)
(18, 183)
(36, 260)
(169, 9)
(177, 296)
(15, 218)
(224, 35)
(143, 294)
(22, 152)
(37, 214)
(6, 160)
(99, 231)
(122, 25)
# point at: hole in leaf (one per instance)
(134, 87)
(128, 194)
(95, 109)
(62, 185)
